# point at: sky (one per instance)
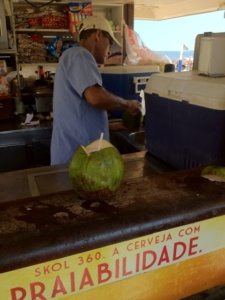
(169, 35)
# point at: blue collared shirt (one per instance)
(75, 122)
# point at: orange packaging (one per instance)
(78, 11)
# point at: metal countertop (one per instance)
(50, 179)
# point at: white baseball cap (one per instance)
(98, 22)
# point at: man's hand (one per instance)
(117, 126)
(134, 107)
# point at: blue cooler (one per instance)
(126, 81)
(185, 119)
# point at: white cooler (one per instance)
(185, 119)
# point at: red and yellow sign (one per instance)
(170, 264)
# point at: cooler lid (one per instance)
(129, 69)
(189, 86)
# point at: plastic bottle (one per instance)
(41, 72)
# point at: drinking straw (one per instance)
(100, 141)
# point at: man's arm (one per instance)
(100, 98)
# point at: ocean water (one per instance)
(175, 55)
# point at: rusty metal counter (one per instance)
(158, 233)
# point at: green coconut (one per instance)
(96, 174)
(133, 122)
(214, 173)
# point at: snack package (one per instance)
(55, 47)
(4, 86)
(3, 68)
(78, 11)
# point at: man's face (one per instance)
(103, 47)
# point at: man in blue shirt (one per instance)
(80, 103)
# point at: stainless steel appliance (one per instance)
(43, 99)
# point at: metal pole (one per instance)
(179, 66)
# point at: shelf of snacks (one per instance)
(44, 29)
